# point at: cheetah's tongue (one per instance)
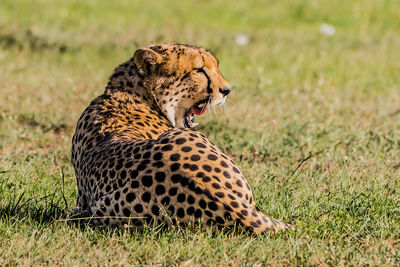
(198, 110)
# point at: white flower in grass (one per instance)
(242, 39)
(327, 29)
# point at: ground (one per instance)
(313, 120)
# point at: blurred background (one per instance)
(313, 118)
(329, 55)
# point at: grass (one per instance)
(313, 121)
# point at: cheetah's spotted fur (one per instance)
(136, 158)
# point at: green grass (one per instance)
(313, 121)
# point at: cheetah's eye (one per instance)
(199, 70)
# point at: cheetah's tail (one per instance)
(258, 222)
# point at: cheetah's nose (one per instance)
(225, 91)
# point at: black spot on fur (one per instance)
(195, 157)
(165, 201)
(147, 180)
(176, 178)
(201, 145)
(234, 204)
(226, 174)
(134, 184)
(175, 167)
(197, 214)
(130, 197)
(172, 191)
(190, 199)
(212, 157)
(146, 197)
(126, 212)
(138, 208)
(181, 198)
(216, 186)
(175, 157)
(155, 210)
(160, 189)
(212, 206)
(180, 141)
(160, 177)
(167, 147)
(157, 156)
(190, 210)
(202, 204)
(186, 148)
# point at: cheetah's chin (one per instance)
(197, 109)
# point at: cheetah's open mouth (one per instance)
(197, 109)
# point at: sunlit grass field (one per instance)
(313, 120)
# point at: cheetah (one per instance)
(138, 158)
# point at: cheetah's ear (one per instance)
(146, 61)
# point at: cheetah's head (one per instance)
(184, 80)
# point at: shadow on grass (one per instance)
(53, 208)
(50, 209)
(43, 210)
